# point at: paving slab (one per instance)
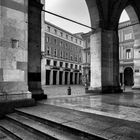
(104, 126)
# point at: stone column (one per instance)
(51, 77)
(57, 77)
(95, 54)
(78, 78)
(74, 78)
(105, 61)
(14, 53)
(136, 30)
(34, 49)
(68, 78)
(63, 78)
(43, 72)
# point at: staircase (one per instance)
(23, 126)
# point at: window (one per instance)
(55, 41)
(71, 38)
(71, 58)
(55, 31)
(61, 54)
(75, 58)
(61, 34)
(136, 70)
(71, 66)
(48, 62)
(75, 66)
(80, 42)
(76, 40)
(66, 65)
(61, 64)
(48, 28)
(66, 36)
(128, 54)
(66, 45)
(128, 36)
(55, 63)
(61, 43)
(48, 50)
(47, 39)
(79, 67)
(55, 52)
(66, 55)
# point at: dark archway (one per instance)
(128, 76)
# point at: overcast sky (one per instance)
(73, 9)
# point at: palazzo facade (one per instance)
(126, 55)
(61, 56)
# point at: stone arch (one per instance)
(93, 12)
(128, 76)
(132, 13)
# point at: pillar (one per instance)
(105, 61)
(57, 78)
(136, 30)
(63, 78)
(13, 52)
(43, 72)
(78, 78)
(68, 78)
(51, 77)
(34, 49)
(74, 78)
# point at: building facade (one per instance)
(86, 58)
(61, 57)
(126, 55)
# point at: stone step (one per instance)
(16, 132)
(42, 129)
(5, 135)
(53, 126)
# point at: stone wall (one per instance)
(13, 49)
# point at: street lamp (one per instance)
(86, 81)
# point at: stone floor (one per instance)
(54, 91)
(124, 106)
(97, 125)
(110, 116)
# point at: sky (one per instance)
(73, 9)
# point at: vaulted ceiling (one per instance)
(109, 11)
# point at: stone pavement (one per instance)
(105, 127)
(124, 106)
(54, 91)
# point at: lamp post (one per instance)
(86, 82)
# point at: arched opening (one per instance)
(128, 76)
(70, 71)
(129, 31)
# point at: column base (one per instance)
(93, 90)
(8, 106)
(136, 87)
(107, 89)
(112, 89)
(38, 94)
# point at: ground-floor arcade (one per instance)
(127, 75)
(57, 77)
(60, 72)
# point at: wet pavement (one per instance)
(54, 91)
(123, 106)
(108, 128)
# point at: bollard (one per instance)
(69, 90)
(86, 88)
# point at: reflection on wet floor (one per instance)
(124, 106)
